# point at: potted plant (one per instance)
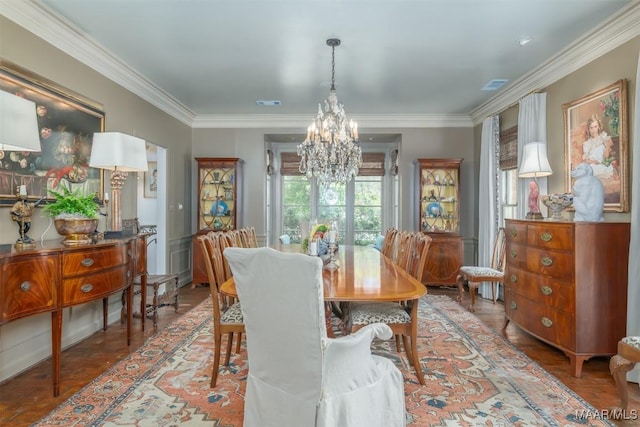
(75, 215)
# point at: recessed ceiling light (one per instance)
(268, 103)
(494, 84)
(524, 40)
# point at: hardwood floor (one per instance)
(28, 397)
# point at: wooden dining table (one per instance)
(364, 274)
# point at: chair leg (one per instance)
(416, 360)
(216, 359)
(473, 290)
(398, 347)
(619, 366)
(227, 356)
(460, 281)
(238, 342)
(494, 291)
(407, 348)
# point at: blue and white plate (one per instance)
(219, 208)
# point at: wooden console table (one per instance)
(52, 277)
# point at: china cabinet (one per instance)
(218, 193)
(563, 287)
(438, 194)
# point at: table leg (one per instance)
(345, 309)
(143, 298)
(129, 311)
(327, 320)
(56, 348)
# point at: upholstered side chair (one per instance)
(628, 356)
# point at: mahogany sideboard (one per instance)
(566, 284)
(52, 277)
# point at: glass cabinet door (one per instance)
(439, 206)
(217, 201)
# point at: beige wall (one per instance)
(620, 63)
(124, 112)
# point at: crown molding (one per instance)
(35, 17)
(302, 121)
(619, 29)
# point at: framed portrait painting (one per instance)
(596, 133)
(66, 124)
(151, 181)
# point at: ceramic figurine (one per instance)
(588, 194)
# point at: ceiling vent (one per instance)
(495, 84)
(268, 103)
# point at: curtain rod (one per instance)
(516, 103)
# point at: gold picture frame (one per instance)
(66, 124)
(596, 132)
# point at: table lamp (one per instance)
(534, 164)
(19, 132)
(120, 154)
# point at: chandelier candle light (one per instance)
(330, 152)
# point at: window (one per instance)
(508, 173)
(358, 207)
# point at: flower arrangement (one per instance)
(610, 106)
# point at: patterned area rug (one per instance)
(474, 378)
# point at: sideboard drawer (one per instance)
(547, 290)
(516, 233)
(516, 256)
(89, 261)
(27, 287)
(77, 290)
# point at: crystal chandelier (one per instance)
(330, 152)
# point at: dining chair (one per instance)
(402, 249)
(285, 239)
(419, 253)
(624, 361)
(225, 322)
(474, 275)
(299, 376)
(389, 239)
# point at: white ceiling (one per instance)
(201, 60)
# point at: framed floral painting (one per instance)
(66, 123)
(596, 133)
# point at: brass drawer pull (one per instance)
(546, 236)
(514, 278)
(87, 262)
(128, 274)
(514, 253)
(546, 290)
(514, 233)
(546, 322)
(546, 261)
(86, 288)
(513, 305)
(129, 252)
(25, 286)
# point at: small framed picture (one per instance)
(596, 134)
(151, 181)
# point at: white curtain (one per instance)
(532, 126)
(633, 289)
(488, 193)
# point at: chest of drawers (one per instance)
(566, 284)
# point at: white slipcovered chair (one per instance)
(298, 376)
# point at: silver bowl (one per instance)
(557, 203)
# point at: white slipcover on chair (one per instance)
(297, 376)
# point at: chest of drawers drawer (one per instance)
(547, 290)
(27, 287)
(550, 263)
(547, 323)
(89, 287)
(90, 261)
(551, 236)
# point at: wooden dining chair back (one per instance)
(227, 321)
(402, 250)
(388, 242)
(248, 237)
(419, 253)
(494, 273)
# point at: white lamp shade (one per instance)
(18, 124)
(118, 151)
(534, 161)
